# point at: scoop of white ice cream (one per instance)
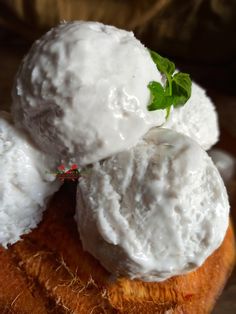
(196, 119)
(82, 94)
(25, 183)
(154, 211)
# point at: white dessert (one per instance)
(25, 183)
(154, 211)
(155, 207)
(196, 119)
(81, 92)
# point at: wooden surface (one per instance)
(49, 273)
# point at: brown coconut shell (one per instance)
(48, 272)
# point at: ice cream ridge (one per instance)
(151, 203)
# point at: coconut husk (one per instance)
(48, 272)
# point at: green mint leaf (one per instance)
(160, 99)
(164, 65)
(181, 88)
(177, 89)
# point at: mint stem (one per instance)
(169, 79)
(167, 112)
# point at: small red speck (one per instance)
(61, 167)
(74, 167)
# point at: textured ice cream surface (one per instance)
(25, 182)
(154, 211)
(196, 119)
(81, 92)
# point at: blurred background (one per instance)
(198, 35)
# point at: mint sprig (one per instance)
(177, 89)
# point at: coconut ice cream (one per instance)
(81, 92)
(26, 182)
(154, 211)
(150, 206)
(196, 119)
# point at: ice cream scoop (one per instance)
(196, 119)
(81, 92)
(154, 211)
(26, 182)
